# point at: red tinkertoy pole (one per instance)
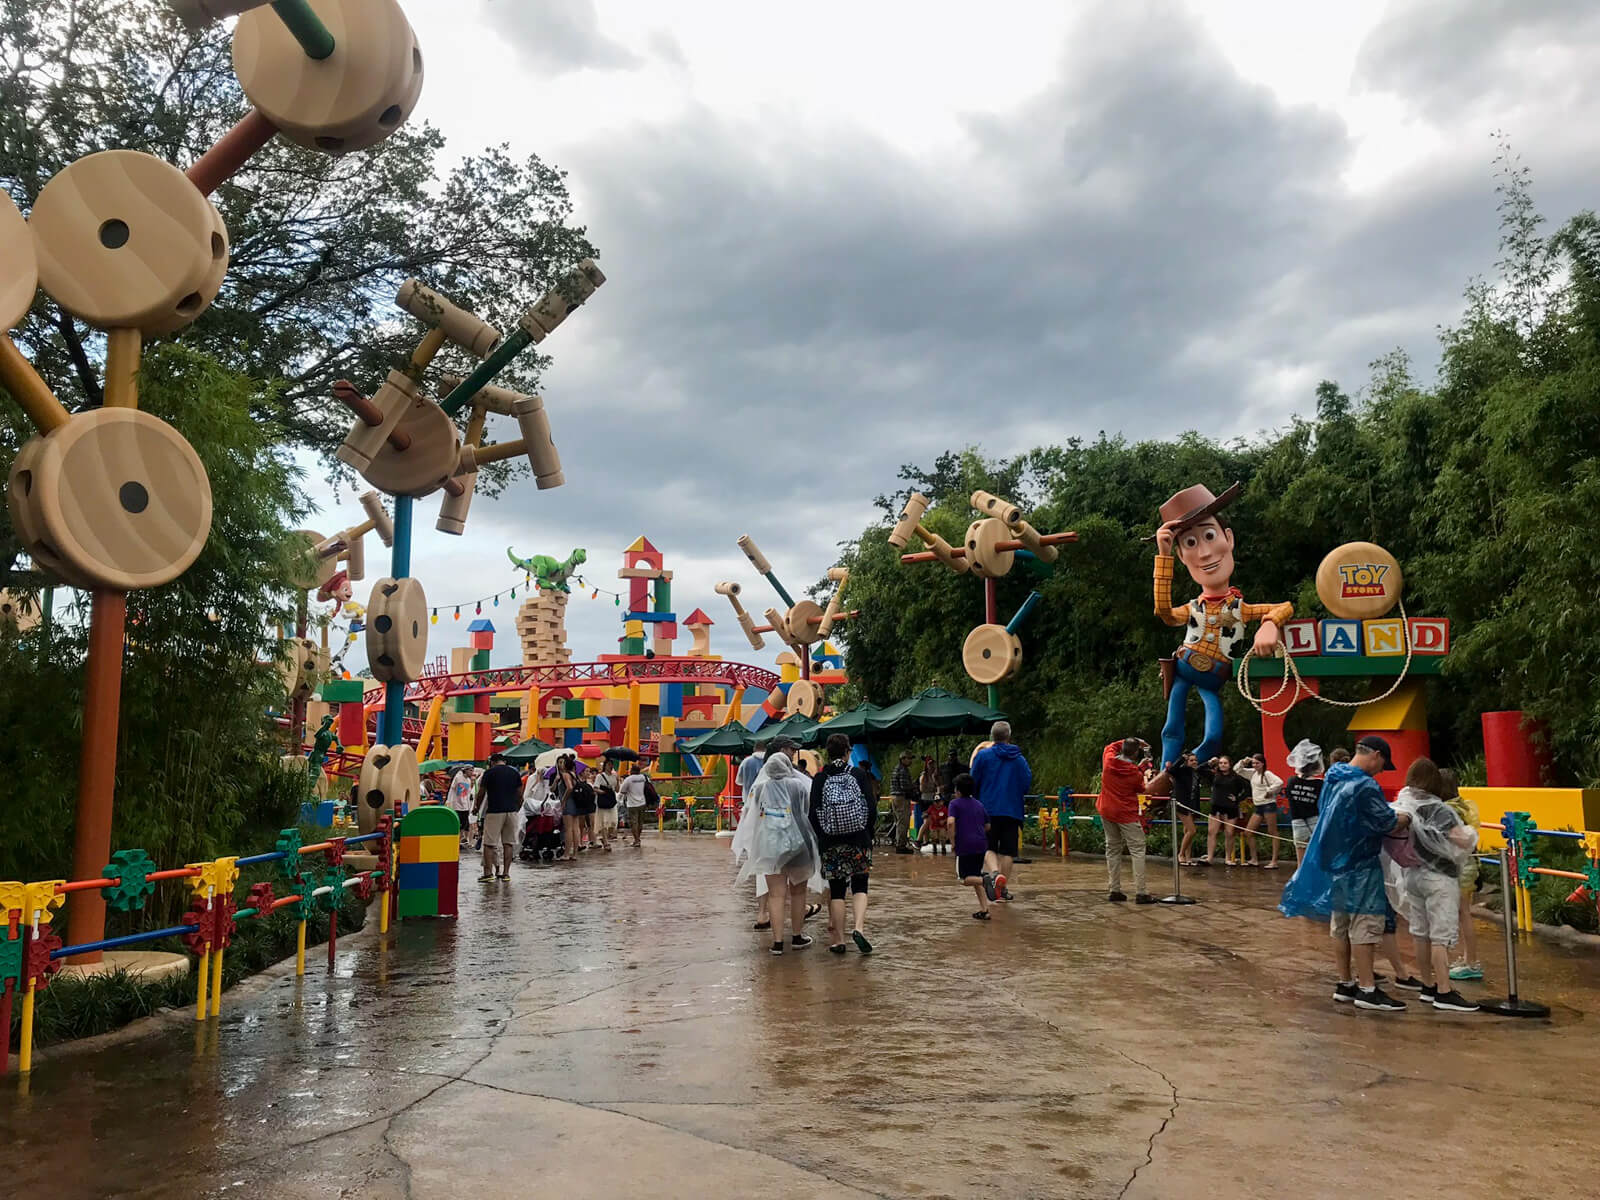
(97, 766)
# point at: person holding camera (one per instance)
(1124, 770)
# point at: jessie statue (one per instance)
(1192, 525)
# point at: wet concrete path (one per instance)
(615, 1028)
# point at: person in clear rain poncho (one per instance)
(1441, 844)
(775, 840)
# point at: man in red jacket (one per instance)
(1124, 770)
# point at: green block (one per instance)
(572, 709)
(1355, 666)
(663, 596)
(417, 903)
(479, 661)
(633, 645)
(342, 691)
(430, 820)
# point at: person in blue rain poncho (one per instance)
(1341, 877)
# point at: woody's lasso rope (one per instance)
(1292, 671)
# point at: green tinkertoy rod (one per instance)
(759, 561)
(534, 326)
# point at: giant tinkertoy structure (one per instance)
(802, 624)
(992, 652)
(113, 499)
(406, 443)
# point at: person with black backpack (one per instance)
(841, 813)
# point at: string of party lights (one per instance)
(527, 585)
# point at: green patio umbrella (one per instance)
(931, 713)
(433, 764)
(732, 738)
(526, 750)
(801, 728)
(852, 723)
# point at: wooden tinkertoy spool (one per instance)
(303, 668)
(389, 778)
(125, 241)
(397, 630)
(804, 698)
(19, 265)
(990, 654)
(910, 523)
(352, 98)
(114, 498)
(984, 555)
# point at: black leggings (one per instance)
(858, 885)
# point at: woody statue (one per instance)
(1192, 525)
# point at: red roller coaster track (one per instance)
(594, 674)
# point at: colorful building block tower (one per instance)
(469, 725)
(649, 602)
(427, 875)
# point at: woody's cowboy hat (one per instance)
(1195, 504)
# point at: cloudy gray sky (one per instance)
(841, 237)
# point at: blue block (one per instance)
(671, 700)
(657, 618)
(1341, 638)
(418, 876)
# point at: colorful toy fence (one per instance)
(30, 954)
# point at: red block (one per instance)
(449, 886)
(352, 724)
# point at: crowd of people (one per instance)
(800, 835)
(554, 814)
(1374, 870)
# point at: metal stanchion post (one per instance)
(1177, 896)
(1512, 1005)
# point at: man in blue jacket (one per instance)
(1003, 778)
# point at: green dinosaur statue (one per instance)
(548, 572)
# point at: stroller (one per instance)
(541, 833)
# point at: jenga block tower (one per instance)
(542, 628)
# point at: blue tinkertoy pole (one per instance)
(394, 692)
(1021, 614)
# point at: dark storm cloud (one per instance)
(1151, 244)
(1471, 54)
(558, 36)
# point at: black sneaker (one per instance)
(800, 941)
(988, 886)
(839, 949)
(1144, 898)
(1377, 1001)
(1428, 994)
(1345, 993)
(1453, 1001)
(777, 948)
(1411, 984)
(1117, 897)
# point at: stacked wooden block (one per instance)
(542, 628)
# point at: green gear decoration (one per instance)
(133, 889)
(288, 844)
(11, 960)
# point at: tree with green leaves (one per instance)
(1485, 485)
(318, 244)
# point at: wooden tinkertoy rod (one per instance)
(844, 616)
(1047, 539)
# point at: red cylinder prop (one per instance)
(1511, 755)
